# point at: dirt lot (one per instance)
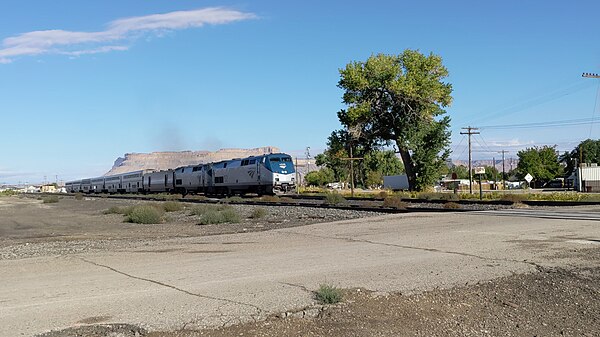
(548, 302)
(29, 227)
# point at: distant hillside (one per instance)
(509, 163)
(167, 160)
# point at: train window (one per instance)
(178, 182)
(218, 180)
(286, 159)
(252, 161)
(225, 165)
(275, 159)
(244, 162)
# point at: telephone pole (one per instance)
(470, 131)
(503, 179)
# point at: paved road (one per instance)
(563, 213)
(216, 280)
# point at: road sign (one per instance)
(479, 170)
(529, 178)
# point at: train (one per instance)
(267, 174)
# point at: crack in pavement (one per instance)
(432, 250)
(171, 286)
(297, 286)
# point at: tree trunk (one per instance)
(408, 167)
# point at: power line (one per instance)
(531, 102)
(547, 124)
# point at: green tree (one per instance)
(541, 162)
(462, 172)
(491, 173)
(588, 151)
(320, 177)
(400, 99)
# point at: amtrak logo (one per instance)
(251, 174)
(282, 165)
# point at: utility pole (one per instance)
(470, 132)
(503, 179)
(351, 159)
(495, 173)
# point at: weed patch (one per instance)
(328, 294)
(394, 202)
(333, 198)
(258, 213)
(215, 216)
(270, 198)
(50, 199)
(514, 198)
(78, 196)
(172, 206)
(452, 205)
(233, 199)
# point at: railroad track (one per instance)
(298, 201)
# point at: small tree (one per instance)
(320, 177)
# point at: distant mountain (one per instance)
(509, 163)
(168, 160)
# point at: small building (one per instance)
(586, 178)
(48, 189)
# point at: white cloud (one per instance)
(80, 43)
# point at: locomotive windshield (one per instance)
(280, 164)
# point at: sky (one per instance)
(84, 82)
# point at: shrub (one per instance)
(78, 196)
(145, 214)
(231, 215)
(215, 216)
(383, 194)
(394, 201)
(452, 205)
(233, 199)
(201, 209)
(115, 210)
(333, 198)
(328, 294)
(258, 213)
(438, 196)
(50, 199)
(167, 196)
(172, 206)
(270, 198)
(514, 198)
(7, 193)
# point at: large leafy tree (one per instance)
(541, 162)
(400, 99)
(587, 151)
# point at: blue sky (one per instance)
(83, 82)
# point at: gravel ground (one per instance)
(78, 226)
